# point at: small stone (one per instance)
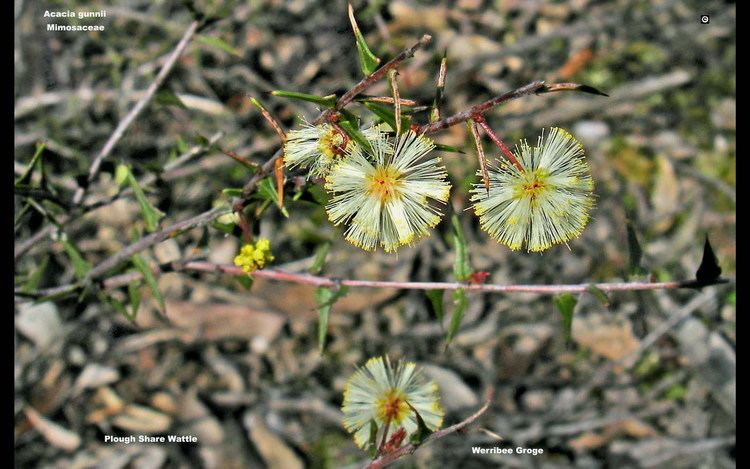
(40, 323)
(454, 392)
(94, 376)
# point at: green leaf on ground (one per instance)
(151, 214)
(217, 43)
(148, 275)
(36, 159)
(81, 267)
(167, 97)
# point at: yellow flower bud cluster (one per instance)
(254, 256)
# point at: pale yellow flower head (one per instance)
(315, 148)
(380, 394)
(546, 203)
(386, 194)
(254, 256)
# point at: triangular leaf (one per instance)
(436, 300)
(232, 192)
(709, 270)
(217, 43)
(320, 258)
(372, 441)
(246, 281)
(32, 283)
(354, 133)
(566, 303)
(267, 191)
(151, 215)
(387, 115)
(598, 294)
(448, 148)
(148, 275)
(81, 267)
(167, 97)
(26, 176)
(418, 437)
(634, 248)
(461, 267)
(368, 62)
(327, 101)
(325, 298)
(460, 303)
(571, 87)
(135, 299)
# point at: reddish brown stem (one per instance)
(480, 155)
(385, 435)
(312, 280)
(481, 108)
(378, 74)
(240, 159)
(479, 119)
(316, 281)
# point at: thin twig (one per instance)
(241, 159)
(347, 98)
(270, 119)
(371, 79)
(393, 78)
(439, 90)
(24, 246)
(154, 238)
(479, 119)
(480, 154)
(137, 109)
(387, 100)
(318, 281)
(481, 108)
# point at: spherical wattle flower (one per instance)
(315, 148)
(254, 256)
(545, 203)
(384, 192)
(380, 398)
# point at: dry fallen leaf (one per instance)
(275, 452)
(136, 418)
(610, 338)
(217, 321)
(57, 435)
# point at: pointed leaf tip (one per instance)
(571, 87)
(367, 60)
(709, 271)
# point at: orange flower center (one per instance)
(384, 183)
(332, 144)
(392, 407)
(533, 186)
